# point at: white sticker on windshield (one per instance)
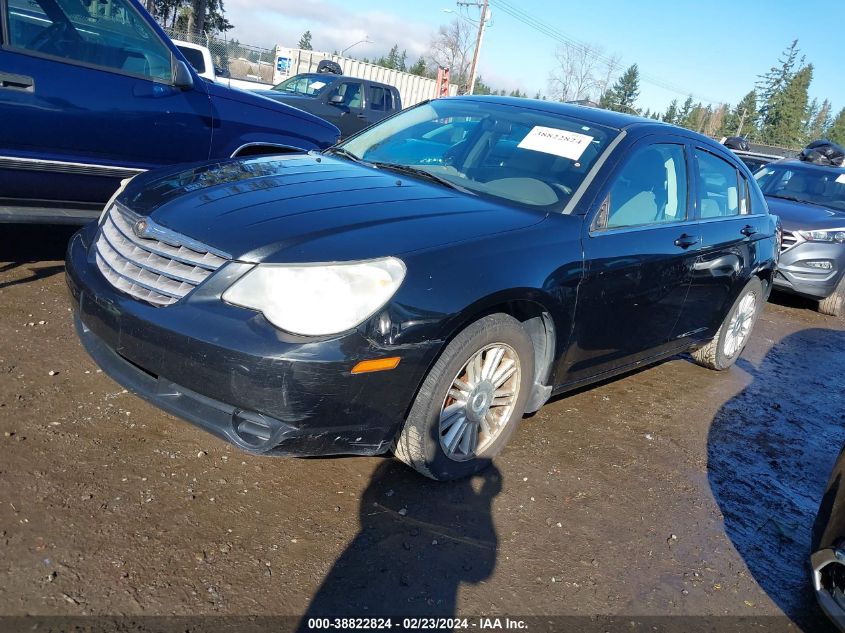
(316, 85)
(841, 178)
(550, 140)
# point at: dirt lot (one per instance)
(674, 491)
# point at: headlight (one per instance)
(318, 299)
(830, 235)
(119, 191)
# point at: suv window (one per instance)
(108, 35)
(718, 189)
(351, 93)
(651, 189)
(380, 99)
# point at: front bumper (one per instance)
(795, 276)
(230, 372)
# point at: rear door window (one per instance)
(110, 35)
(380, 99)
(650, 189)
(719, 191)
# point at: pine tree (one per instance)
(671, 114)
(684, 113)
(836, 131)
(772, 85)
(786, 111)
(305, 41)
(740, 120)
(420, 68)
(818, 125)
(622, 96)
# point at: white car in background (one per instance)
(200, 58)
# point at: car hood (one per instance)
(260, 99)
(800, 216)
(308, 207)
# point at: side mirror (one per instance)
(221, 72)
(182, 77)
(336, 100)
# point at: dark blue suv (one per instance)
(92, 93)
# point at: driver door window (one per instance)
(650, 189)
(111, 36)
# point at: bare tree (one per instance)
(610, 70)
(581, 72)
(451, 47)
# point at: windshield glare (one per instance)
(516, 154)
(817, 186)
(308, 85)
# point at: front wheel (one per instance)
(470, 402)
(733, 334)
(834, 305)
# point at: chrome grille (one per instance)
(788, 240)
(159, 269)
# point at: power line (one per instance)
(544, 28)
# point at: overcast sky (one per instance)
(714, 50)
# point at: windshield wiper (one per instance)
(793, 199)
(416, 171)
(345, 153)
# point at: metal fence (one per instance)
(239, 61)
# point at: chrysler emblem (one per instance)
(140, 228)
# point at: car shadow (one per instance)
(788, 300)
(770, 450)
(418, 542)
(29, 246)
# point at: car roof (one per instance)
(794, 162)
(598, 116)
(332, 76)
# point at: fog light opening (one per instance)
(820, 264)
(832, 577)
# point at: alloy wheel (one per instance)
(480, 401)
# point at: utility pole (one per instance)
(741, 122)
(473, 69)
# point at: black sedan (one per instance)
(420, 287)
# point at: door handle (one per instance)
(685, 241)
(9, 81)
(748, 230)
(361, 116)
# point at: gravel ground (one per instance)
(672, 491)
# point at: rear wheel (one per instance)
(471, 400)
(834, 305)
(732, 336)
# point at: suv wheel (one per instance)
(834, 304)
(733, 334)
(471, 400)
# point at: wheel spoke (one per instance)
(491, 361)
(459, 396)
(490, 420)
(450, 415)
(461, 385)
(501, 402)
(506, 370)
(454, 436)
(486, 426)
(474, 369)
(466, 444)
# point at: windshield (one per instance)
(816, 186)
(308, 85)
(511, 153)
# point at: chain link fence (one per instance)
(231, 58)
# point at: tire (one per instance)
(722, 352)
(453, 403)
(834, 305)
